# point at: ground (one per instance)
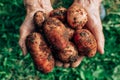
(15, 66)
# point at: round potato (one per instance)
(59, 13)
(39, 18)
(69, 54)
(76, 16)
(40, 52)
(56, 33)
(85, 42)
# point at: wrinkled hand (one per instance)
(27, 26)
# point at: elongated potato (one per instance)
(68, 54)
(85, 42)
(76, 16)
(59, 13)
(56, 33)
(40, 52)
(39, 18)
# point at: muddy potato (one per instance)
(56, 33)
(40, 52)
(69, 54)
(69, 30)
(76, 16)
(85, 42)
(39, 18)
(59, 13)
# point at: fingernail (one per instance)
(102, 51)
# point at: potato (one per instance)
(69, 30)
(59, 13)
(76, 16)
(40, 52)
(85, 42)
(39, 18)
(69, 54)
(56, 33)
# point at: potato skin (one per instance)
(76, 16)
(39, 18)
(70, 31)
(69, 54)
(40, 52)
(59, 13)
(56, 33)
(85, 42)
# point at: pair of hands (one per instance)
(93, 24)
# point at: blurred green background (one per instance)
(15, 66)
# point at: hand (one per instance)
(94, 22)
(27, 26)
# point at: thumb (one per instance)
(26, 28)
(99, 36)
(24, 32)
(95, 26)
(100, 40)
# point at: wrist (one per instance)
(33, 6)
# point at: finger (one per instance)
(76, 63)
(82, 3)
(26, 28)
(58, 63)
(100, 40)
(96, 28)
(66, 65)
(24, 32)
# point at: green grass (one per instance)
(15, 66)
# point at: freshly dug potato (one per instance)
(70, 32)
(56, 33)
(59, 13)
(85, 42)
(69, 54)
(39, 18)
(40, 52)
(76, 16)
